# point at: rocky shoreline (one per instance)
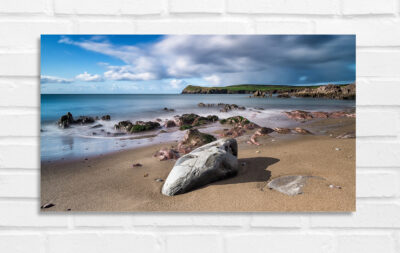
(329, 91)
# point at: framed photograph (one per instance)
(198, 123)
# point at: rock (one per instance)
(320, 115)
(159, 180)
(187, 119)
(170, 123)
(146, 175)
(168, 110)
(206, 164)
(201, 105)
(302, 130)
(137, 165)
(337, 149)
(194, 138)
(328, 91)
(106, 117)
(284, 95)
(166, 154)
(289, 185)
(235, 120)
(348, 135)
(260, 132)
(141, 126)
(65, 120)
(158, 120)
(123, 125)
(281, 130)
(97, 126)
(47, 205)
(84, 120)
(258, 93)
(299, 115)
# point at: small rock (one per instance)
(258, 151)
(159, 180)
(137, 165)
(337, 149)
(47, 205)
(243, 164)
(146, 175)
(69, 209)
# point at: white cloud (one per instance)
(214, 79)
(89, 77)
(54, 79)
(177, 84)
(126, 73)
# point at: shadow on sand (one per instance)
(254, 170)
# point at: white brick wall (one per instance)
(375, 227)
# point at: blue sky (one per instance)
(167, 63)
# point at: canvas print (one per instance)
(198, 123)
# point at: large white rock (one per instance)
(214, 161)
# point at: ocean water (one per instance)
(83, 141)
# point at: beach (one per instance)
(110, 182)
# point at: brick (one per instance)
(185, 243)
(87, 7)
(365, 243)
(275, 220)
(105, 27)
(283, 27)
(10, 156)
(378, 154)
(370, 32)
(356, 7)
(19, 64)
(19, 185)
(377, 184)
(377, 92)
(22, 243)
(99, 220)
(189, 220)
(278, 242)
(26, 214)
(102, 242)
(370, 122)
(22, 6)
(27, 90)
(26, 34)
(377, 63)
(192, 27)
(200, 6)
(142, 7)
(315, 7)
(16, 124)
(367, 216)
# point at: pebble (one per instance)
(337, 149)
(137, 165)
(243, 164)
(146, 175)
(159, 180)
(258, 151)
(47, 205)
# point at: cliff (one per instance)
(324, 91)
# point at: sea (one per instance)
(81, 141)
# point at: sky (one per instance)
(142, 64)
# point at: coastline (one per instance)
(110, 183)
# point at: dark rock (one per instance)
(170, 123)
(97, 126)
(137, 165)
(106, 117)
(66, 120)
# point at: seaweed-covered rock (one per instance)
(187, 119)
(194, 138)
(84, 120)
(209, 163)
(141, 126)
(235, 120)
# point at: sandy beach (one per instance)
(110, 182)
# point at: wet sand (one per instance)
(110, 182)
